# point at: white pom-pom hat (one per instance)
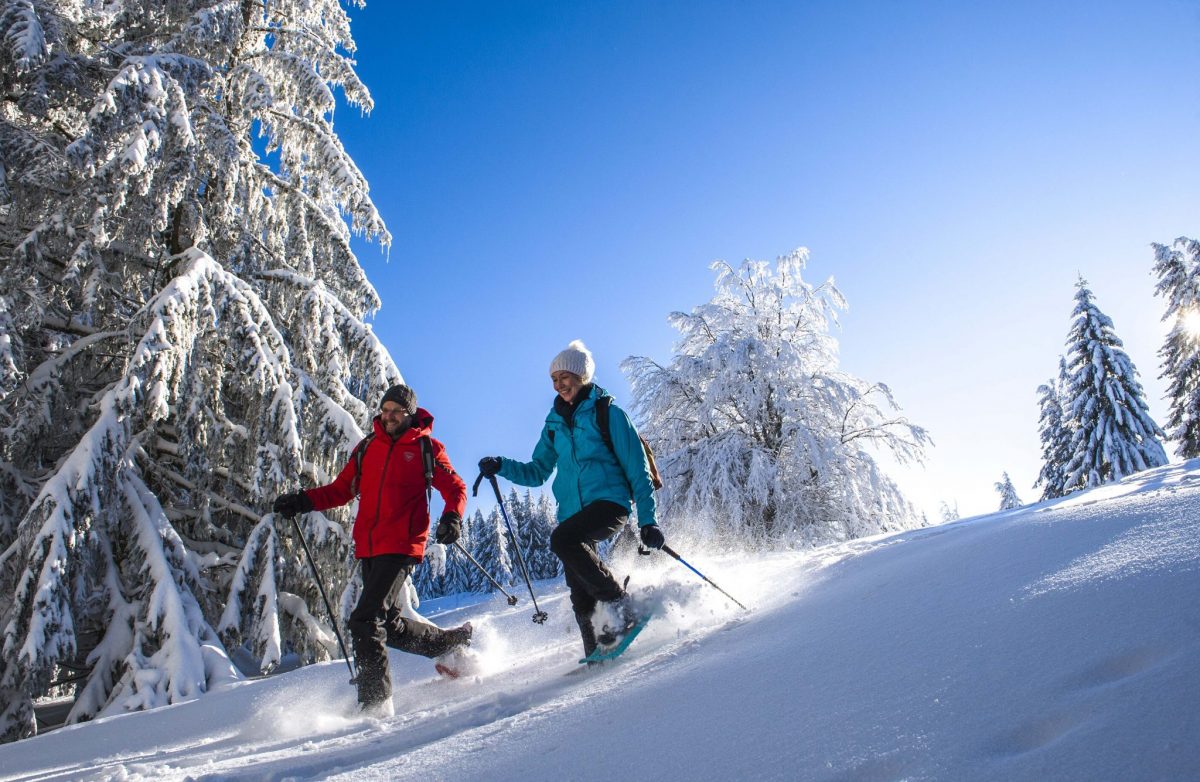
(576, 359)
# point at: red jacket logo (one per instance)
(409, 456)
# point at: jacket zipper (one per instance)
(379, 499)
(578, 466)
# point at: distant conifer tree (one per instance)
(1008, 494)
(1178, 270)
(492, 552)
(1113, 434)
(1055, 431)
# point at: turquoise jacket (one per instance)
(587, 470)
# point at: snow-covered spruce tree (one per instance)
(181, 337)
(491, 551)
(464, 573)
(1056, 430)
(533, 527)
(459, 570)
(1178, 270)
(542, 562)
(429, 578)
(757, 431)
(1113, 435)
(1008, 494)
(520, 516)
(444, 570)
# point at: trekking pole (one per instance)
(328, 606)
(539, 616)
(671, 552)
(512, 600)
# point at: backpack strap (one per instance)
(428, 461)
(357, 456)
(602, 406)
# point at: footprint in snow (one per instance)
(1036, 733)
(1118, 668)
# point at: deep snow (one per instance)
(1056, 641)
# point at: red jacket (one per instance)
(393, 516)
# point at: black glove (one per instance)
(288, 505)
(652, 536)
(489, 466)
(449, 528)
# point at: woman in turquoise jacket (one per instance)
(593, 486)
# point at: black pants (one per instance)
(376, 622)
(574, 542)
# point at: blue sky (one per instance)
(562, 170)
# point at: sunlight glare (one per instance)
(1189, 321)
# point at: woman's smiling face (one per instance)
(566, 384)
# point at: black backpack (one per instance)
(602, 405)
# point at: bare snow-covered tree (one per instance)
(1178, 270)
(1056, 431)
(181, 337)
(1008, 494)
(756, 428)
(1113, 434)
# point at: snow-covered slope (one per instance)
(1057, 641)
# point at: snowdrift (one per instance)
(1056, 641)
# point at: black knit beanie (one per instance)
(403, 396)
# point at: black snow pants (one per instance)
(376, 622)
(574, 542)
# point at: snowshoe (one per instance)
(612, 651)
(460, 636)
(377, 710)
(461, 660)
(623, 617)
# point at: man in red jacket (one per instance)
(387, 473)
